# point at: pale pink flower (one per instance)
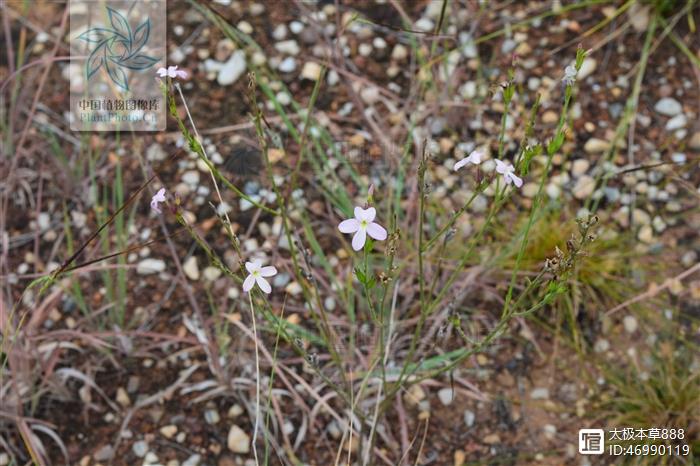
(362, 225)
(157, 199)
(473, 158)
(508, 172)
(570, 73)
(257, 273)
(172, 72)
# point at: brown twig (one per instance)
(653, 291)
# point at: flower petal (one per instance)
(461, 163)
(350, 225)
(181, 74)
(365, 214)
(268, 271)
(263, 284)
(248, 283)
(475, 157)
(376, 231)
(517, 181)
(154, 206)
(358, 241)
(500, 166)
(251, 267)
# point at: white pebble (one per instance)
(677, 122)
(469, 417)
(425, 25)
(287, 65)
(211, 273)
(150, 266)
(237, 440)
(289, 47)
(140, 448)
(191, 268)
(630, 324)
(446, 396)
(245, 27)
(296, 27)
(668, 106)
(232, 69)
(280, 32)
(365, 50)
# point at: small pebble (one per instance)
(694, 142)
(150, 266)
(232, 69)
(596, 146)
(678, 157)
(668, 106)
(587, 68)
(140, 448)
(677, 122)
(296, 27)
(550, 431)
(238, 441)
(469, 417)
(584, 187)
(190, 268)
(689, 258)
(105, 453)
(630, 324)
(446, 396)
(123, 397)
(211, 273)
(234, 411)
(530, 189)
(646, 234)
(212, 416)
(168, 431)
(288, 47)
(579, 167)
(425, 25)
(365, 50)
(311, 71)
(193, 460)
(245, 27)
(43, 220)
(601, 345)
(287, 65)
(280, 32)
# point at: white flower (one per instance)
(570, 75)
(362, 225)
(157, 199)
(474, 158)
(257, 273)
(508, 172)
(172, 72)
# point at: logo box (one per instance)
(591, 441)
(116, 46)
